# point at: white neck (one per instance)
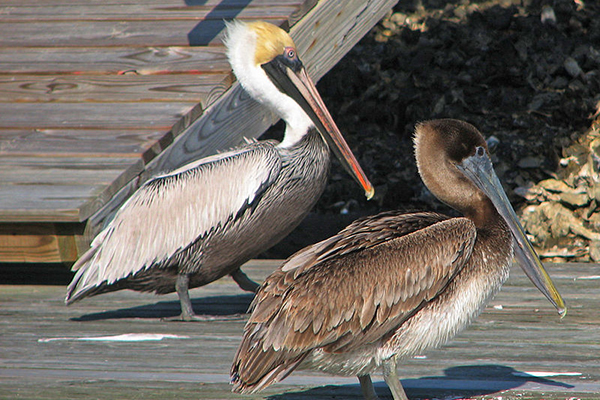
(241, 45)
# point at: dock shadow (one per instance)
(458, 382)
(215, 305)
(209, 29)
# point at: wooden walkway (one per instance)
(97, 96)
(115, 346)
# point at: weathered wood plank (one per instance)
(91, 166)
(111, 116)
(48, 244)
(153, 11)
(60, 189)
(142, 60)
(332, 28)
(116, 33)
(78, 142)
(46, 202)
(232, 118)
(51, 202)
(37, 248)
(496, 358)
(131, 87)
(14, 5)
(71, 170)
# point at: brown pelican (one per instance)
(191, 226)
(392, 285)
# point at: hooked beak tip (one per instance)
(370, 193)
(562, 311)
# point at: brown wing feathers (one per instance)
(350, 290)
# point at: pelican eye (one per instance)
(290, 53)
(480, 151)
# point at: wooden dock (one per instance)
(97, 96)
(115, 346)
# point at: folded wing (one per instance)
(172, 211)
(349, 291)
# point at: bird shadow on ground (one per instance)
(461, 382)
(218, 306)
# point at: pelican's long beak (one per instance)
(295, 82)
(478, 168)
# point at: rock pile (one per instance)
(563, 215)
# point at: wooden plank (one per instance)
(142, 60)
(15, 5)
(26, 170)
(332, 28)
(46, 203)
(97, 166)
(116, 33)
(110, 116)
(35, 248)
(221, 126)
(60, 189)
(495, 358)
(51, 202)
(114, 89)
(79, 142)
(19, 245)
(153, 11)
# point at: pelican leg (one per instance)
(367, 387)
(187, 312)
(243, 281)
(182, 287)
(390, 375)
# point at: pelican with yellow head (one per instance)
(191, 226)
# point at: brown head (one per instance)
(439, 146)
(453, 161)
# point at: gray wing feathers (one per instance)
(341, 303)
(171, 211)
